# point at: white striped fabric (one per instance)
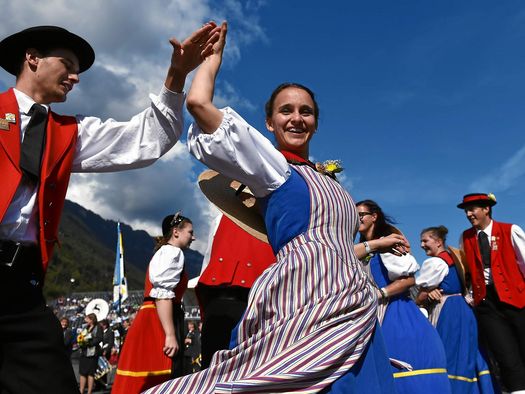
(309, 316)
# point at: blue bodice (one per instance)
(451, 284)
(286, 211)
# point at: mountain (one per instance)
(85, 258)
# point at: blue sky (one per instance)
(422, 101)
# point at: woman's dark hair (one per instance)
(93, 319)
(169, 223)
(384, 224)
(439, 232)
(269, 104)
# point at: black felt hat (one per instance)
(12, 48)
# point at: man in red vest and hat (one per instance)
(495, 254)
(38, 151)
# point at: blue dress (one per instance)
(410, 338)
(456, 324)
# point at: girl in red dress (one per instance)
(152, 353)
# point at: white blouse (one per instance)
(432, 272)
(239, 151)
(165, 270)
(398, 266)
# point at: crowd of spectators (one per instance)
(71, 311)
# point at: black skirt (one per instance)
(87, 365)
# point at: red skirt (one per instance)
(142, 363)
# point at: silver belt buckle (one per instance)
(13, 258)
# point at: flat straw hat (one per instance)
(481, 199)
(241, 207)
(12, 48)
(459, 259)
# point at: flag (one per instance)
(120, 286)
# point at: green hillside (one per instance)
(87, 254)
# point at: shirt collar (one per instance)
(487, 230)
(25, 102)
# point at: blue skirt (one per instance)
(409, 337)
(467, 368)
(371, 374)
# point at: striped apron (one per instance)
(310, 315)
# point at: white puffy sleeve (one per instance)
(432, 272)
(397, 266)
(165, 270)
(518, 241)
(238, 151)
(110, 145)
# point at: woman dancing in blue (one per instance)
(409, 337)
(441, 289)
(310, 323)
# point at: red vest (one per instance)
(508, 280)
(61, 138)
(237, 258)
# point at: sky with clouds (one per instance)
(422, 101)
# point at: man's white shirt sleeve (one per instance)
(110, 145)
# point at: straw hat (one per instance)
(480, 199)
(240, 206)
(459, 260)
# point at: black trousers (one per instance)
(502, 330)
(222, 310)
(33, 358)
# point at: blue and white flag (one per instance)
(120, 286)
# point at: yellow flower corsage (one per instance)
(329, 167)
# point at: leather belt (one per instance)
(11, 252)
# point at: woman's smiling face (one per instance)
(293, 120)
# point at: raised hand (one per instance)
(200, 97)
(188, 55)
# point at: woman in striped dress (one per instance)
(153, 351)
(441, 290)
(310, 323)
(409, 337)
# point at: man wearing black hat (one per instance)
(495, 254)
(38, 151)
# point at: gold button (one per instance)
(213, 279)
(220, 259)
(243, 281)
(249, 264)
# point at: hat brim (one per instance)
(481, 203)
(13, 47)
(242, 208)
